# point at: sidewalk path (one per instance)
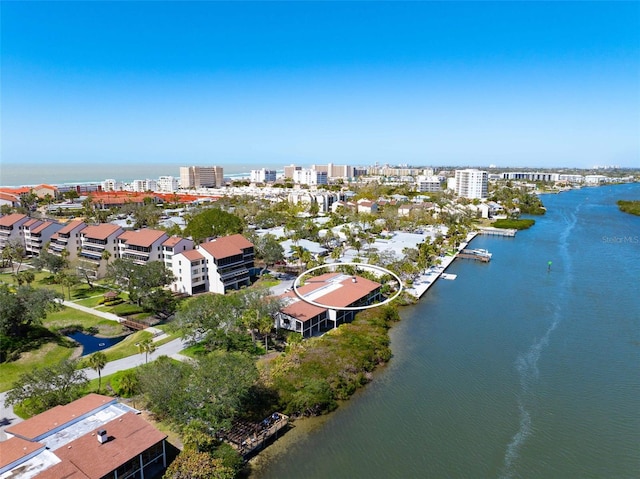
(95, 312)
(171, 349)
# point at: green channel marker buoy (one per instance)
(549, 266)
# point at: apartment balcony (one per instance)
(94, 242)
(226, 274)
(91, 255)
(92, 247)
(136, 258)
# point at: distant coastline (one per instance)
(30, 174)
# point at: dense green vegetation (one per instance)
(518, 199)
(514, 224)
(314, 374)
(631, 207)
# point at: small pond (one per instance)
(91, 344)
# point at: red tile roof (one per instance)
(9, 197)
(226, 246)
(172, 241)
(43, 226)
(69, 227)
(101, 231)
(347, 294)
(129, 435)
(192, 255)
(57, 416)
(16, 448)
(144, 237)
(12, 219)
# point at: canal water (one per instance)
(91, 344)
(510, 371)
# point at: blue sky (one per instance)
(269, 83)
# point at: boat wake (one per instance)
(527, 363)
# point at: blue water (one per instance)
(511, 370)
(91, 344)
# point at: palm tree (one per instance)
(147, 347)
(97, 361)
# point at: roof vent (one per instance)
(102, 436)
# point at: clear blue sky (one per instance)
(268, 83)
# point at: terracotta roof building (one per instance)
(141, 246)
(94, 437)
(215, 266)
(37, 233)
(11, 228)
(94, 241)
(67, 238)
(331, 292)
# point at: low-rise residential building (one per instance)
(332, 291)
(11, 228)
(215, 266)
(366, 206)
(173, 246)
(67, 238)
(37, 233)
(94, 241)
(142, 246)
(94, 437)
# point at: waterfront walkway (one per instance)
(424, 281)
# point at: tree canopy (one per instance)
(213, 222)
(25, 308)
(48, 386)
(210, 390)
(140, 281)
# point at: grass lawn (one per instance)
(49, 353)
(70, 317)
(126, 347)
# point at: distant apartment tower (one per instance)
(310, 177)
(112, 185)
(263, 175)
(141, 186)
(530, 176)
(290, 170)
(168, 184)
(471, 183)
(336, 171)
(201, 176)
(427, 184)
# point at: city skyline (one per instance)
(471, 84)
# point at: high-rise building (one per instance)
(201, 176)
(471, 183)
(310, 177)
(263, 175)
(289, 170)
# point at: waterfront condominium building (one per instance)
(263, 175)
(201, 177)
(471, 183)
(310, 177)
(428, 184)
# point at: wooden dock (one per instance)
(487, 230)
(467, 254)
(247, 437)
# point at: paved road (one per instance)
(172, 349)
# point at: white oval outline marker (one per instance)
(346, 308)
